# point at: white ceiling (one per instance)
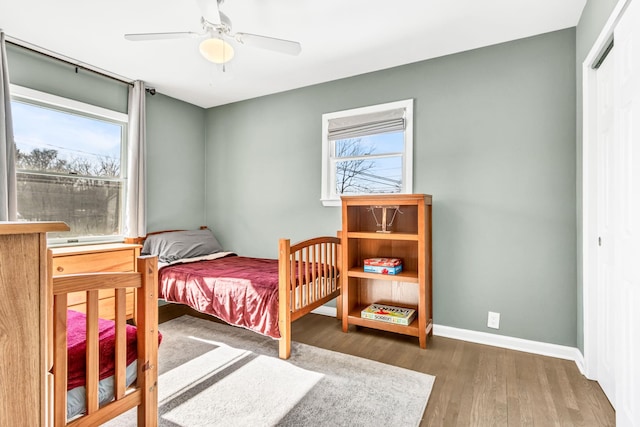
(339, 38)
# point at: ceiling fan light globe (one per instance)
(216, 50)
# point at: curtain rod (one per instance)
(54, 55)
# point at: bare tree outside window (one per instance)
(361, 170)
(40, 160)
(349, 171)
(47, 160)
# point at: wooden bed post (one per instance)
(147, 321)
(339, 276)
(284, 295)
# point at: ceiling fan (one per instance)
(217, 30)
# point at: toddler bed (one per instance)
(101, 368)
(263, 295)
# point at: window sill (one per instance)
(331, 202)
(79, 241)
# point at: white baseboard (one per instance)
(326, 311)
(519, 344)
(580, 363)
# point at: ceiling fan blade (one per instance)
(161, 36)
(210, 11)
(279, 45)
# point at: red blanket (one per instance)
(242, 291)
(77, 345)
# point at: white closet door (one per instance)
(606, 213)
(627, 220)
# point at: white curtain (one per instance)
(136, 221)
(8, 191)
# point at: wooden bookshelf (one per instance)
(407, 236)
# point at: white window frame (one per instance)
(329, 197)
(20, 93)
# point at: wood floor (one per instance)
(476, 385)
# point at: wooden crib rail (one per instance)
(144, 392)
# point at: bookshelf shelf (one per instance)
(404, 276)
(408, 237)
(356, 319)
(382, 236)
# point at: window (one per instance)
(70, 165)
(367, 150)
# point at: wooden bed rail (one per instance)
(143, 393)
(309, 276)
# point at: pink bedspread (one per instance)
(242, 291)
(77, 345)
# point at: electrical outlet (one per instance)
(493, 321)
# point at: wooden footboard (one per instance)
(143, 393)
(308, 278)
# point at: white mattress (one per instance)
(76, 401)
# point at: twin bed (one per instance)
(262, 295)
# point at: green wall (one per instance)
(594, 16)
(495, 146)
(175, 134)
(176, 164)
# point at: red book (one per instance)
(383, 262)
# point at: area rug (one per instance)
(213, 374)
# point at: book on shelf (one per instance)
(389, 314)
(383, 265)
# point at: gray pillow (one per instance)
(177, 245)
